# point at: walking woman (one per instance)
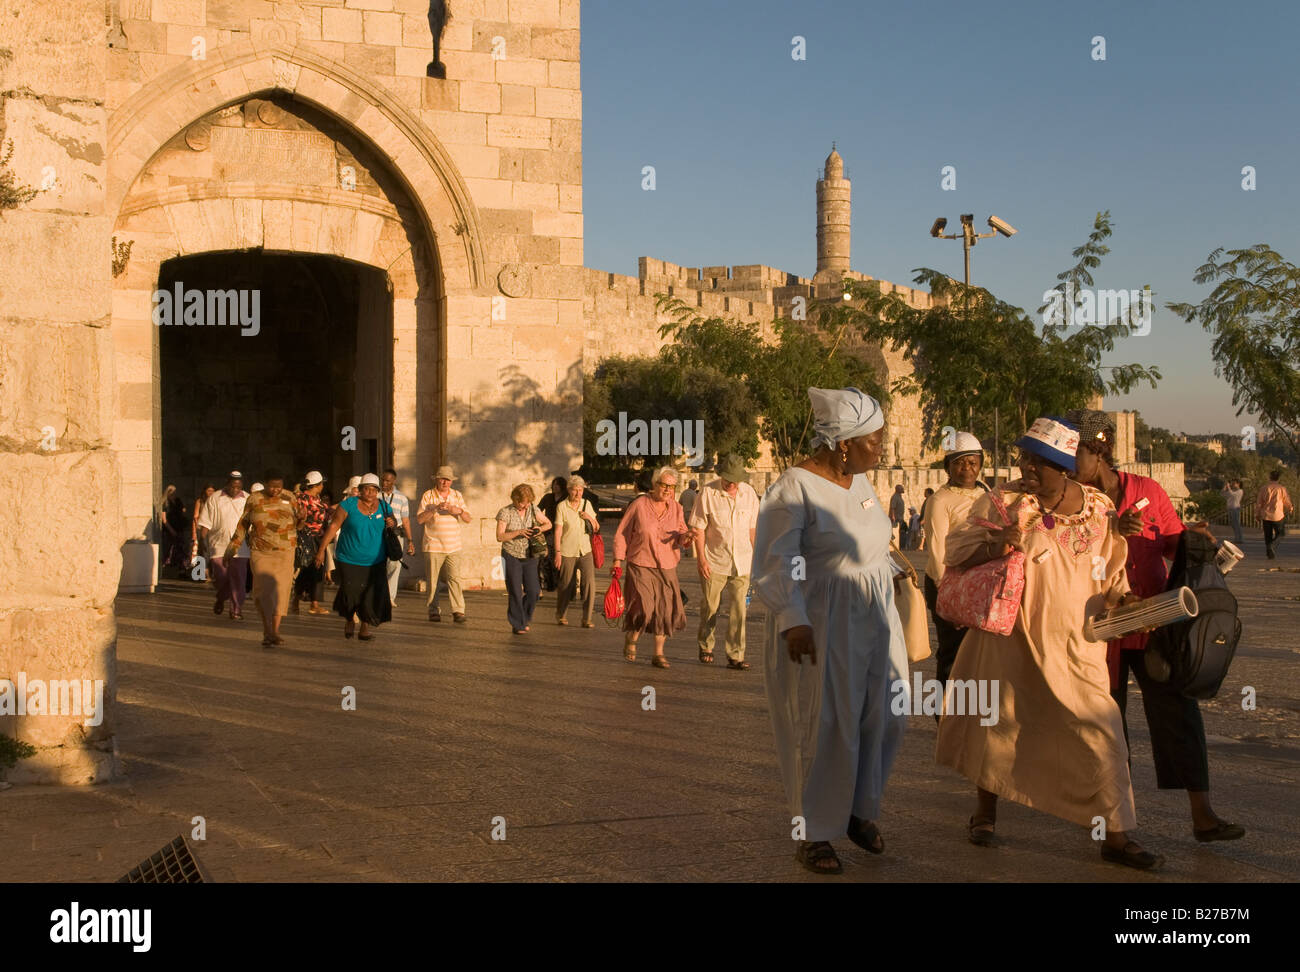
(360, 564)
(517, 525)
(1057, 743)
(822, 568)
(1177, 731)
(270, 522)
(651, 537)
(575, 518)
(315, 514)
(171, 522)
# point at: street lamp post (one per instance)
(968, 238)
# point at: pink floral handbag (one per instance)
(988, 596)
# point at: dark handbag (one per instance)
(537, 543)
(392, 539)
(305, 554)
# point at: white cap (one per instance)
(964, 443)
(313, 478)
(369, 479)
(354, 482)
(256, 487)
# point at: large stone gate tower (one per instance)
(413, 231)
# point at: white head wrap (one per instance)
(843, 413)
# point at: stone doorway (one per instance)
(287, 366)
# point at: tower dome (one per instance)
(834, 164)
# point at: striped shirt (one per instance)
(442, 534)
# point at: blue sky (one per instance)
(1040, 134)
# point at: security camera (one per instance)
(937, 229)
(1002, 226)
(967, 219)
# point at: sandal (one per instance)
(1143, 860)
(740, 666)
(659, 661)
(865, 834)
(268, 643)
(561, 620)
(980, 832)
(629, 653)
(812, 855)
(706, 656)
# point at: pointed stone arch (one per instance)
(272, 64)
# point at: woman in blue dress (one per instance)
(360, 561)
(822, 567)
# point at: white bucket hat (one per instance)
(369, 479)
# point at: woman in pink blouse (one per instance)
(1177, 731)
(651, 537)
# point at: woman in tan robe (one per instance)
(1058, 742)
(271, 522)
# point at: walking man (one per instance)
(217, 522)
(1232, 493)
(723, 519)
(898, 513)
(442, 512)
(689, 495)
(390, 496)
(1273, 506)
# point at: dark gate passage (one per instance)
(265, 360)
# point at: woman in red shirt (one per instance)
(1174, 720)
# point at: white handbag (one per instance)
(910, 601)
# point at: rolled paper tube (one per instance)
(1151, 612)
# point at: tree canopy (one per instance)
(972, 352)
(1254, 315)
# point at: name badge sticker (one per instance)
(868, 504)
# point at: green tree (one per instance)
(1254, 314)
(972, 352)
(776, 373)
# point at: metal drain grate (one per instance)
(174, 864)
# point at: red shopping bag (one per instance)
(597, 550)
(614, 598)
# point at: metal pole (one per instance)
(997, 451)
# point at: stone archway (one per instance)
(419, 227)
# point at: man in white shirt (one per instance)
(1232, 494)
(217, 522)
(946, 510)
(442, 513)
(401, 507)
(724, 518)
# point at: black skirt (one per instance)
(363, 591)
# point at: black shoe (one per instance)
(1143, 860)
(435, 616)
(1220, 831)
(458, 618)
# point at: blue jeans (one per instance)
(1234, 519)
(525, 588)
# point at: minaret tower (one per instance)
(834, 215)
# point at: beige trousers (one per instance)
(445, 567)
(736, 588)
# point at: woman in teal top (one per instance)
(359, 559)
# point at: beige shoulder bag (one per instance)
(910, 601)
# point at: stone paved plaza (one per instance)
(456, 725)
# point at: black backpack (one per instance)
(1193, 655)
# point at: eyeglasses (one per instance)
(672, 486)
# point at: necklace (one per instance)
(1049, 521)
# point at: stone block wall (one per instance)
(58, 574)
